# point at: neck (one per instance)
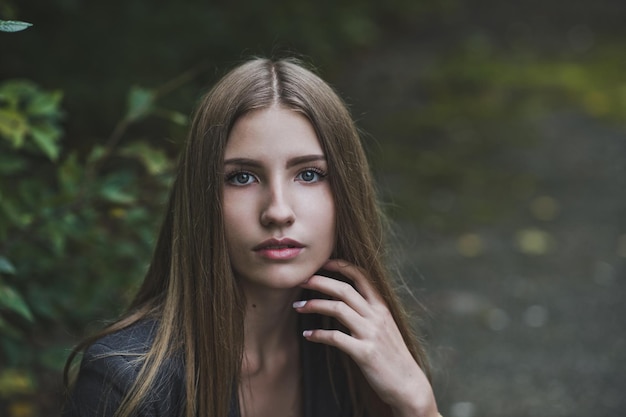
(269, 328)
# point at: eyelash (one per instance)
(232, 174)
(322, 174)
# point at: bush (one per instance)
(76, 231)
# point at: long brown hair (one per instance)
(190, 288)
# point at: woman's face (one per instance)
(279, 210)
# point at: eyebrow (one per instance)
(290, 163)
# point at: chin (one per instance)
(281, 277)
(287, 281)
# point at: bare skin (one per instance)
(270, 379)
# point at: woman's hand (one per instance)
(374, 343)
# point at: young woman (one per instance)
(267, 294)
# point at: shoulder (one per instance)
(120, 355)
(110, 367)
(131, 341)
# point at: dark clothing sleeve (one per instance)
(104, 379)
(109, 369)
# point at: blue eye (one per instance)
(310, 175)
(241, 178)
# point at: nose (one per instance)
(277, 210)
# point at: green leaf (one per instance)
(6, 267)
(13, 91)
(155, 160)
(45, 104)
(46, 136)
(177, 118)
(15, 213)
(70, 174)
(96, 153)
(140, 103)
(11, 300)
(13, 25)
(173, 116)
(57, 237)
(113, 190)
(13, 127)
(116, 195)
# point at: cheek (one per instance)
(331, 218)
(234, 218)
(323, 215)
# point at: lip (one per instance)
(277, 243)
(279, 249)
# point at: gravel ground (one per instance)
(526, 315)
(522, 332)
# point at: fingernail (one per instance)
(307, 333)
(299, 304)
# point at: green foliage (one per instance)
(29, 117)
(140, 103)
(11, 300)
(76, 230)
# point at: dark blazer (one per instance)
(110, 366)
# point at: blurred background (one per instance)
(496, 131)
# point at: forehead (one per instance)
(272, 132)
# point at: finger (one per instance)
(338, 290)
(335, 338)
(354, 274)
(336, 309)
